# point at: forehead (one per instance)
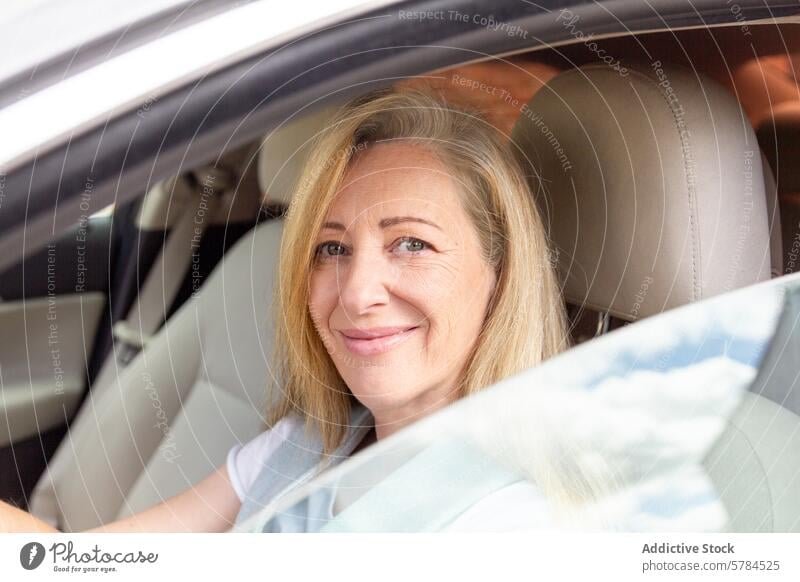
(396, 177)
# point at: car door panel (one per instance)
(51, 310)
(43, 355)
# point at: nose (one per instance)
(365, 282)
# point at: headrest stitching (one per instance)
(691, 192)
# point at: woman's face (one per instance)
(399, 287)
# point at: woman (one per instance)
(414, 271)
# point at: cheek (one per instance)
(321, 301)
(439, 294)
(433, 282)
(463, 303)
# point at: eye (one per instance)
(412, 245)
(329, 249)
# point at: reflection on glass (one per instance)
(640, 430)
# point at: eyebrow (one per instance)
(385, 222)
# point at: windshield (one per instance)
(654, 427)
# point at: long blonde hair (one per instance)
(525, 321)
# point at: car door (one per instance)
(51, 308)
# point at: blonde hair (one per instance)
(525, 321)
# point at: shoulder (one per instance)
(245, 460)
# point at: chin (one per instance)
(378, 392)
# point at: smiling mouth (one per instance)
(370, 343)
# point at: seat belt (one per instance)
(164, 279)
(163, 282)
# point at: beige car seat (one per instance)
(199, 387)
(655, 195)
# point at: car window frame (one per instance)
(121, 156)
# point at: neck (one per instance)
(389, 421)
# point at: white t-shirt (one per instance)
(245, 461)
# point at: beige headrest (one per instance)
(284, 152)
(651, 186)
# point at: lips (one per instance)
(375, 340)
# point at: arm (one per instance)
(209, 506)
(13, 519)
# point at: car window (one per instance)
(634, 431)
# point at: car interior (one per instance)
(683, 185)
